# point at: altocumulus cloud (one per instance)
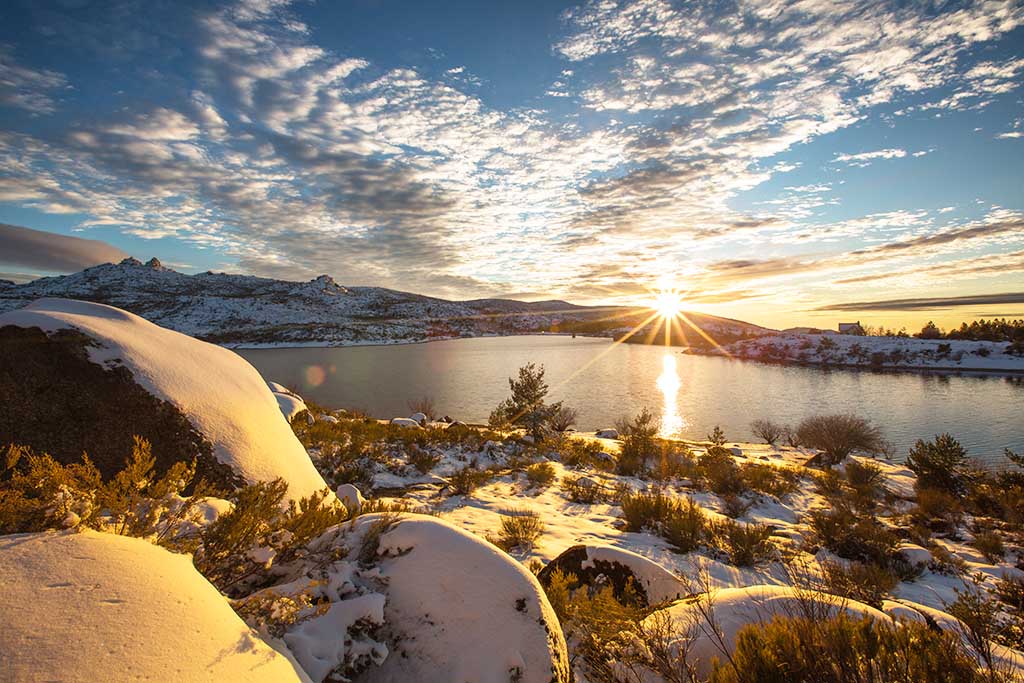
(49, 251)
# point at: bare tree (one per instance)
(767, 431)
(563, 418)
(839, 435)
(424, 405)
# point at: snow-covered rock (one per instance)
(290, 405)
(405, 422)
(221, 395)
(350, 497)
(419, 418)
(607, 433)
(618, 568)
(98, 607)
(459, 609)
(329, 419)
(915, 554)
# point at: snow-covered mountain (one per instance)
(237, 310)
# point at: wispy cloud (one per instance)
(928, 304)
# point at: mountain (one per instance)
(244, 310)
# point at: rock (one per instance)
(594, 565)
(915, 554)
(91, 606)
(460, 609)
(607, 433)
(82, 377)
(405, 422)
(330, 419)
(419, 418)
(351, 498)
(606, 458)
(528, 438)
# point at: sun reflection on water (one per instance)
(672, 422)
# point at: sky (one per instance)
(785, 163)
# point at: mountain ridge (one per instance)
(248, 310)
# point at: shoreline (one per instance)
(685, 350)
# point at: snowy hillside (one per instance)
(253, 311)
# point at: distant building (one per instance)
(851, 328)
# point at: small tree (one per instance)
(930, 331)
(717, 436)
(839, 435)
(767, 431)
(526, 407)
(940, 464)
(639, 442)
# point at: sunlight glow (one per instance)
(668, 303)
(672, 422)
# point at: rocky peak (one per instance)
(130, 261)
(154, 263)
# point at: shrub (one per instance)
(467, 480)
(862, 581)
(864, 478)
(769, 479)
(582, 453)
(839, 435)
(639, 443)
(583, 490)
(563, 418)
(673, 463)
(519, 529)
(425, 405)
(767, 431)
(734, 506)
(939, 464)
(423, 460)
(717, 436)
(746, 544)
(990, 544)
(540, 474)
(645, 510)
(853, 536)
(680, 521)
(720, 471)
(937, 510)
(843, 649)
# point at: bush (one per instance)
(680, 521)
(583, 490)
(563, 418)
(839, 435)
(939, 464)
(842, 649)
(717, 436)
(767, 431)
(526, 407)
(990, 544)
(519, 529)
(937, 510)
(467, 480)
(746, 544)
(721, 472)
(769, 479)
(425, 405)
(540, 474)
(853, 536)
(581, 453)
(423, 460)
(864, 478)
(639, 443)
(862, 581)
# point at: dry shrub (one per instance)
(520, 528)
(540, 474)
(862, 581)
(746, 544)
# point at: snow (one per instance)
(223, 396)
(290, 405)
(462, 609)
(93, 607)
(418, 418)
(607, 433)
(405, 422)
(350, 497)
(317, 644)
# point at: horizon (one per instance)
(785, 165)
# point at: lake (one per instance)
(691, 394)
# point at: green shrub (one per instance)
(519, 529)
(769, 479)
(581, 453)
(939, 464)
(862, 581)
(540, 474)
(842, 649)
(717, 436)
(467, 480)
(853, 536)
(680, 521)
(746, 544)
(990, 544)
(583, 490)
(721, 473)
(640, 446)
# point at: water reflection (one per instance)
(668, 382)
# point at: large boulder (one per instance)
(80, 377)
(650, 583)
(100, 607)
(460, 609)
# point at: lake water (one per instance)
(604, 381)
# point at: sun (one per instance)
(668, 303)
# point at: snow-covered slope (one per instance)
(253, 311)
(223, 396)
(100, 607)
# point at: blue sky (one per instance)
(772, 159)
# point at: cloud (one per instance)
(927, 304)
(48, 251)
(27, 88)
(865, 158)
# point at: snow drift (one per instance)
(98, 607)
(222, 396)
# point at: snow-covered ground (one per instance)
(907, 353)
